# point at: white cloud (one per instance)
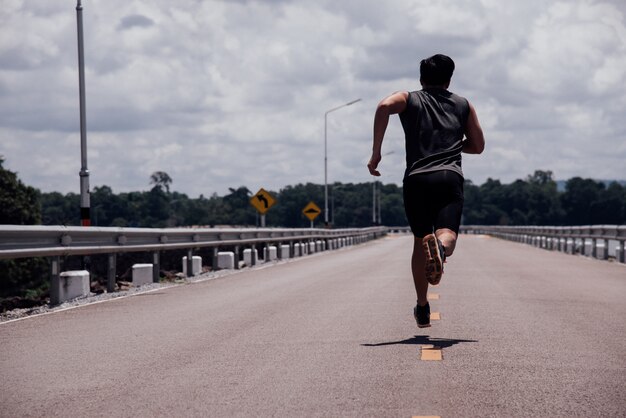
(221, 93)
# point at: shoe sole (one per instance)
(423, 326)
(434, 262)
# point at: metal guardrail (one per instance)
(569, 239)
(17, 241)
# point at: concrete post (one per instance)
(237, 257)
(253, 256)
(620, 253)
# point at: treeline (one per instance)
(350, 205)
(532, 201)
(536, 201)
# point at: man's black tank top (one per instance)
(434, 124)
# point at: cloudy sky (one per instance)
(226, 93)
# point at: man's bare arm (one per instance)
(475, 142)
(390, 105)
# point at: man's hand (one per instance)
(373, 164)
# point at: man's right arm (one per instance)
(475, 142)
(396, 103)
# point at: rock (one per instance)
(124, 285)
(97, 287)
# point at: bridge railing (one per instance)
(591, 240)
(18, 241)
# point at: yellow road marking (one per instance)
(431, 353)
(435, 316)
(433, 296)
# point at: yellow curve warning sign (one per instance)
(262, 201)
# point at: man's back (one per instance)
(434, 123)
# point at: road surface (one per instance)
(523, 332)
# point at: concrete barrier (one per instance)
(297, 250)
(72, 284)
(284, 252)
(142, 274)
(311, 247)
(226, 260)
(272, 253)
(196, 265)
(247, 256)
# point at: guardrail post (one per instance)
(190, 263)
(214, 258)
(620, 253)
(605, 253)
(111, 272)
(253, 256)
(156, 267)
(594, 248)
(236, 257)
(55, 267)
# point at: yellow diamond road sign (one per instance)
(262, 201)
(311, 211)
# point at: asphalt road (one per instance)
(523, 332)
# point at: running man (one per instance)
(438, 126)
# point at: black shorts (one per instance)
(433, 201)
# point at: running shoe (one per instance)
(435, 257)
(422, 315)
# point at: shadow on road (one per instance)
(423, 340)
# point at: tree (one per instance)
(237, 205)
(27, 277)
(58, 209)
(19, 204)
(162, 180)
(610, 208)
(578, 199)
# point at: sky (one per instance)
(222, 94)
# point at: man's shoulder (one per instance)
(458, 96)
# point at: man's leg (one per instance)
(418, 262)
(421, 312)
(448, 239)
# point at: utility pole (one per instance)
(84, 171)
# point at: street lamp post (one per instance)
(84, 171)
(326, 156)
